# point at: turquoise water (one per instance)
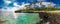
(22, 18)
(28, 18)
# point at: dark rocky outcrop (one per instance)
(53, 18)
(2, 22)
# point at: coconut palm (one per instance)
(32, 4)
(40, 2)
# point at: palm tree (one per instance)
(32, 4)
(40, 3)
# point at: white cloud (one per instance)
(16, 7)
(7, 1)
(15, 4)
(20, 6)
(47, 4)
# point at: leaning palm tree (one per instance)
(31, 5)
(34, 2)
(40, 3)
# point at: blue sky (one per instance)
(2, 3)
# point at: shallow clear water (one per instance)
(22, 18)
(28, 18)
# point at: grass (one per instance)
(39, 9)
(47, 9)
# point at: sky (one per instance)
(10, 3)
